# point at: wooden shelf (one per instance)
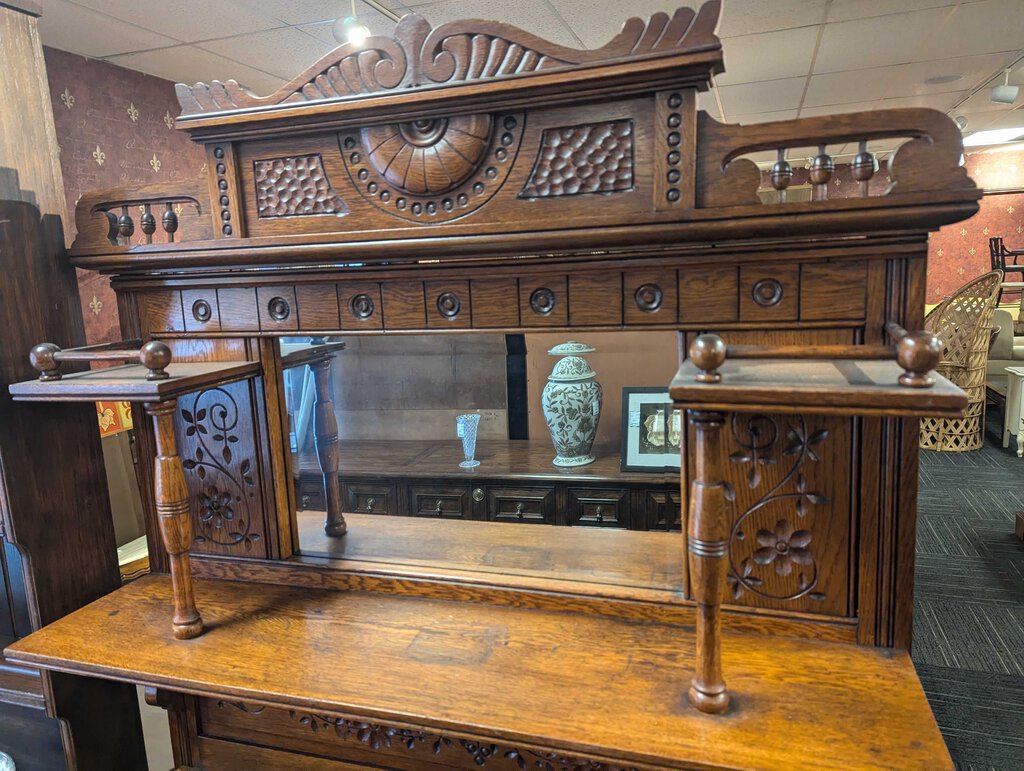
(834, 387)
(521, 676)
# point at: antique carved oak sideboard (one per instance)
(474, 178)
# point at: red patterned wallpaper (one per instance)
(115, 127)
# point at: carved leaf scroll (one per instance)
(473, 50)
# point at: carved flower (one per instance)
(215, 508)
(784, 548)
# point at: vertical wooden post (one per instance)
(707, 547)
(325, 439)
(174, 518)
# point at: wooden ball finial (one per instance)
(918, 353)
(708, 352)
(155, 356)
(43, 360)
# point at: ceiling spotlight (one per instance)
(961, 122)
(1005, 94)
(349, 30)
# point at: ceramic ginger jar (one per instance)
(572, 405)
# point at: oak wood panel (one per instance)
(277, 308)
(200, 309)
(597, 298)
(161, 312)
(317, 306)
(495, 302)
(403, 305)
(835, 291)
(709, 294)
(238, 309)
(550, 296)
(375, 640)
(777, 278)
(649, 297)
(448, 304)
(361, 305)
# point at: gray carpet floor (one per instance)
(969, 602)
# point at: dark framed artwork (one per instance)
(651, 430)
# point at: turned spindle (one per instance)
(781, 174)
(707, 547)
(170, 222)
(174, 519)
(325, 440)
(820, 173)
(148, 223)
(708, 352)
(863, 167)
(919, 354)
(125, 225)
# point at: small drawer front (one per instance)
(833, 291)
(495, 302)
(599, 507)
(769, 292)
(278, 309)
(544, 302)
(361, 306)
(664, 510)
(404, 305)
(448, 304)
(521, 504)
(201, 310)
(238, 310)
(160, 312)
(649, 297)
(370, 497)
(318, 307)
(708, 294)
(439, 501)
(309, 495)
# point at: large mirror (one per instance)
(533, 456)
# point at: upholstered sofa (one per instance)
(1006, 351)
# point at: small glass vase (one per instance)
(466, 427)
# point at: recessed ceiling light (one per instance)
(993, 137)
(938, 80)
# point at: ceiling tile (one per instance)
(761, 97)
(79, 30)
(836, 109)
(863, 9)
(745, 17)
(308, 11)
(1010, 119)
(595, 22)
(879, 41)
(534, 16)
(941, 102)
(284, 52)
(981, 101)
(188, 20)
(378, 24)
(769, 56)
(190, 64)
(763, 117)
(706, 102)
(851, 86)
(982, 27)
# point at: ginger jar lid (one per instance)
(573, 367)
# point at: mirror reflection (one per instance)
(529, 456)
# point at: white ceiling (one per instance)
(784, 58)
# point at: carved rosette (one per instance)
(433, 170)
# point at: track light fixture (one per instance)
(1005, 94)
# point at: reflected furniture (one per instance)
(476, 178)
(1013, 414)
(1007, 261)
(963, 322)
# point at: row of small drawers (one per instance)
(637, 508)
(746, 293)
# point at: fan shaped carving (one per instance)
(428, 156)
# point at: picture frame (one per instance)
(651, 431)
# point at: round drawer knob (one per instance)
(449, 304)
(478, 494)
(599, 514)
(542, 301)
(362, 306)
(648, 297)
(201, 311)
(306, 501)
(279, 309)
(520, 507)
(439, 508)
(369, 505)
(767, 292)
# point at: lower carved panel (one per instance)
(354, 740)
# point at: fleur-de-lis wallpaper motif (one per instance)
(96, 305)
(133, 112)
(168, 119)
(99, 156)
(67, 98)
(155, 163)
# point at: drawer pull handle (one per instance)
(519, 509)
(599, 514)
(649, 297)
(369, 505)
(478, 494)
(439, 507)
(306, 500)
(767, 292)
(279, 309)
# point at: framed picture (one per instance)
(651, 430)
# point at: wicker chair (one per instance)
(963, 322)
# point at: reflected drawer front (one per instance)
(664, 510)
(769, 292)
(521, 504)
(439, 501)
(599, 507)
(370, 497)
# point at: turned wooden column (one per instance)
(707, 547)
(174, 518)
(325, 439)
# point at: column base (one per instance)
(712, 703)
(188, 630)
(336, 529)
